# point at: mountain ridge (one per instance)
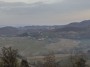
(72, 30)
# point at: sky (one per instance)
(43, 12)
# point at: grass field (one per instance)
(24, 45)
(33, 48)
(29, 47)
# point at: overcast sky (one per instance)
(43, 12)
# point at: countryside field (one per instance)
(28, 47)
(35, 49)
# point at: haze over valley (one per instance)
(44, 33)
(38, 40)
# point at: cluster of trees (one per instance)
(9, 57)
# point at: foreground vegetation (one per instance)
(10, 57)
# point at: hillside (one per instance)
(77, 30)
(8, 31)
(84, 23)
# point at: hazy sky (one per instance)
(43, 12)
(32, 1)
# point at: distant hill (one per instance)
(8, 31)
(84, 23)
(76, 30)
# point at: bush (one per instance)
(9, 57)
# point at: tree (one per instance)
(81, 62)
(49, 61)
(9, 57)
(24, 63)
(78, 59)
(24, 34)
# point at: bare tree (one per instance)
(24, 63)
(9, 57)
(50, 61)
(78, 59)
(81, 62)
